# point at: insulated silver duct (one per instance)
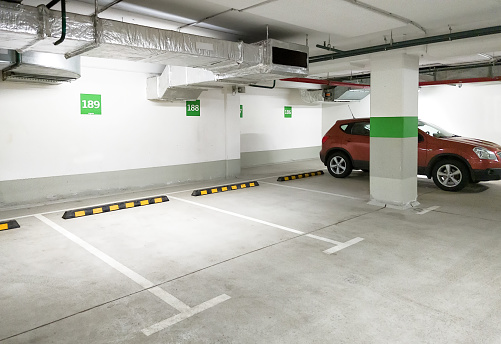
(41, 68)
(25, 28)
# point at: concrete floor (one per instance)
(257, 266)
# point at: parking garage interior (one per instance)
(160, 178)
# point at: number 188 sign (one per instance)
(90, 104)
(193, 107)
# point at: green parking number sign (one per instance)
(288, 111)
(241, 111)
(193, 107)
(90, 104)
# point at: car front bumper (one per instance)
(488, 174)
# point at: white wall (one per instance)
(44, 134)
(474, 110)
(264, 128)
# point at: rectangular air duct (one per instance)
(178, 83)
(278, 60)
(334, 94)
(7, 58)
(41, 67)
(25, 28)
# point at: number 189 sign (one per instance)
(193, 107)
(90, 104)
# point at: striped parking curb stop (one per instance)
(299, 176)
(5, 225)
(71, 214)
(224, 188)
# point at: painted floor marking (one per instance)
(323, 239)
(339, 245)
(171, 300)
(182, 316)
(427, 210)
(343, 245)
(320, 192)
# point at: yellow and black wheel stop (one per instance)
(224, 188)
(71, 214)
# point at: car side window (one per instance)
(361, 128)
(420, 138)
(343, 127)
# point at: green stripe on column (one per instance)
(396, 127)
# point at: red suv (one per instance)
(452, 161)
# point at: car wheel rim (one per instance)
(449, 175)
(338, 165)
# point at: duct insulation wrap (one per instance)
(178, 83)
(140, 43)
(43, 67)
(25, 28)
(18, 26)
(28, 28)
(312, 96)
(278, 60)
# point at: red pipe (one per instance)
(458, 81)
(422, 83)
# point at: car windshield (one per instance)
(433, 130)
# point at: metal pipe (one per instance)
(256, 5)
(328, 48)
(52, 3)
(268, 87)
(206, 18)
(407, 44)
(386, 13)
(326, 82)
(459, 81)
(63, 23)
(422, 83)
(105, 7)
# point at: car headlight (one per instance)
(484, 153)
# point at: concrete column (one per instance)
(232, 123)
(393, 141)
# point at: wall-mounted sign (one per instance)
(90, 104)
(193, 107)
(288, 111)
(241, 111)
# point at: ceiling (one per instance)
(344, 24)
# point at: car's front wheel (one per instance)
(339, 165)
(450, 175)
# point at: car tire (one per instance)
(450, 175)
(339, 165)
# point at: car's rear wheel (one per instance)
(339, 165)
(450, 175)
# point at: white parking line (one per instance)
(339, 246)
(185, 315)
(323, 239)
(320, 192)
(171, 300)
(427, 210)
(343, 245)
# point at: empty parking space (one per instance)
(274, 263)
(138, 253)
